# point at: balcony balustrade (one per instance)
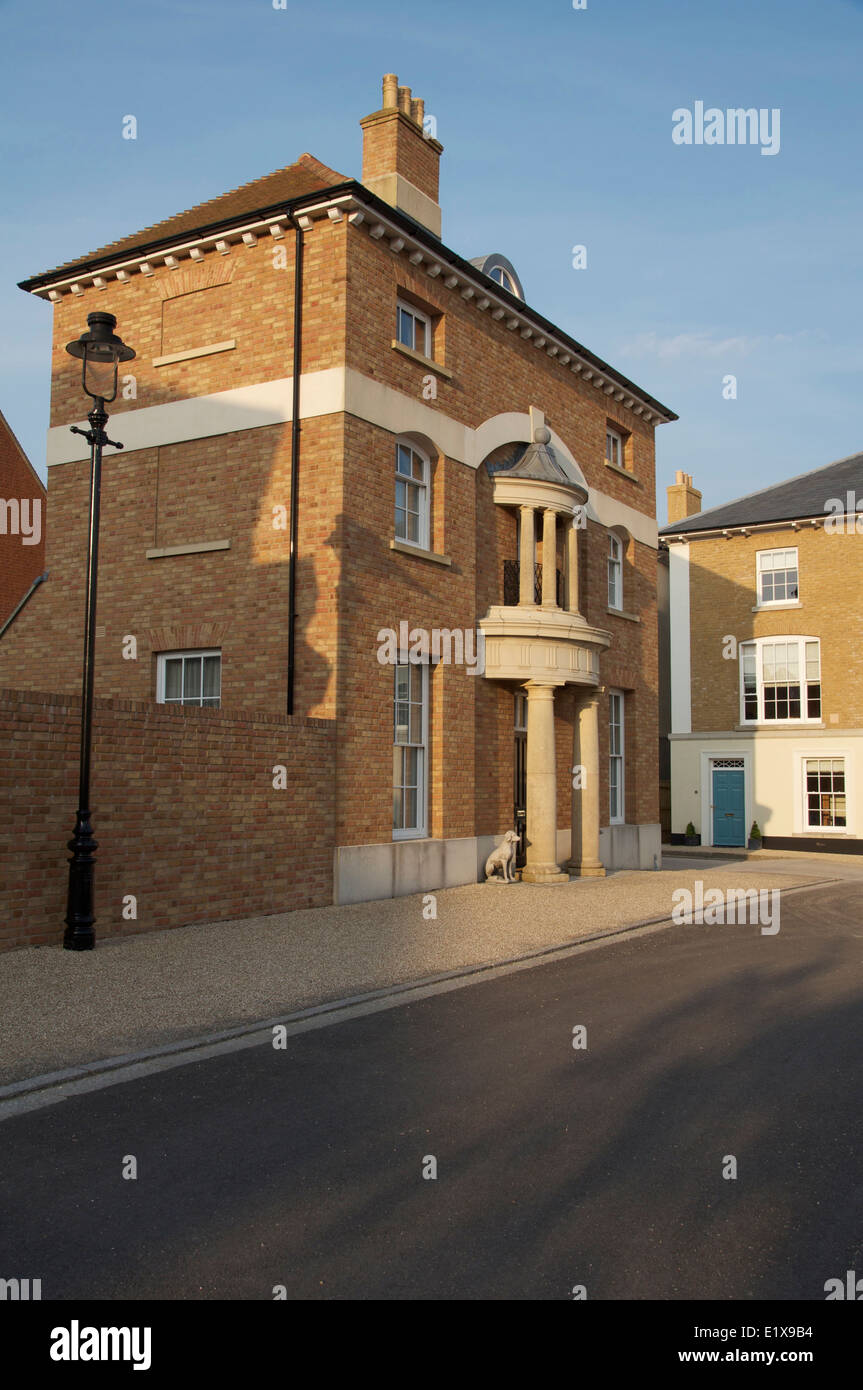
(511, 571)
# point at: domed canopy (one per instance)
(540, 462)
(536, 466)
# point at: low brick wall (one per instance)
(185, 813)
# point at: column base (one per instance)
(543, 873)
(587, 870)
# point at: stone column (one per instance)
(584, 854)
(526, 556)
(549, 558)
(541, 866)
(572, 569)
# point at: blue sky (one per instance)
(702, 261)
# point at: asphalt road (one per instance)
(556, 1167)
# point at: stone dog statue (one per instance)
(503, 858)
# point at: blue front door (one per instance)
(729, 826)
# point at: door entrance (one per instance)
(520, 779)
(729, 803)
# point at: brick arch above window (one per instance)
(186, 636)
(423, 443)
(195, 278)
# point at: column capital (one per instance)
(591, 695)
(534, 686)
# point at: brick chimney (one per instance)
(683, 499)
(400, 161)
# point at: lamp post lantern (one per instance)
(100, 351)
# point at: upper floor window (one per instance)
(777, 576)
(780, 680)
(503, 277)
(189, 678)
(413, 328)
(615, 571)
(614, 448)
(412, 495)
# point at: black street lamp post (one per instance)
(101, 352)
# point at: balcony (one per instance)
(525, 642)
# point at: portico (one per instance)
(543, 643)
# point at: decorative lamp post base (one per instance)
(79, 934)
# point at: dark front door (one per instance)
(520, 779)
(729, 826)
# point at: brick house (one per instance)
(363, 481)
(766, 662)
(22, 525)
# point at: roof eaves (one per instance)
(362, 194)
(518, 305)
(680, 529)
(86, 267)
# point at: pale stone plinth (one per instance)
(544, 873)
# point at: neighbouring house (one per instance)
(22, 525)
(766, 662)
(362, 482)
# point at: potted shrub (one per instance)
(690, 836)
(754, 836)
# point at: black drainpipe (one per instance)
(17, 609)
(295, 454)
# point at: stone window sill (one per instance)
(423, 361)
(623, 473)
(198, 548)
(786, 726)
(195, 352)
(405, 548)
(807, 836)
(774, 607)
(619, 613)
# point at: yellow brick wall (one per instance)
(723, 594)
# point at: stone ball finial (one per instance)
(542, 434)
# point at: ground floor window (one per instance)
(615, 758)
(825, 793)
(410, 738)
(189, 678)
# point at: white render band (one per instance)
(333, 391)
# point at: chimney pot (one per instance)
(400, 164)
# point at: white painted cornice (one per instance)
(195, 248)
(537, 493)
